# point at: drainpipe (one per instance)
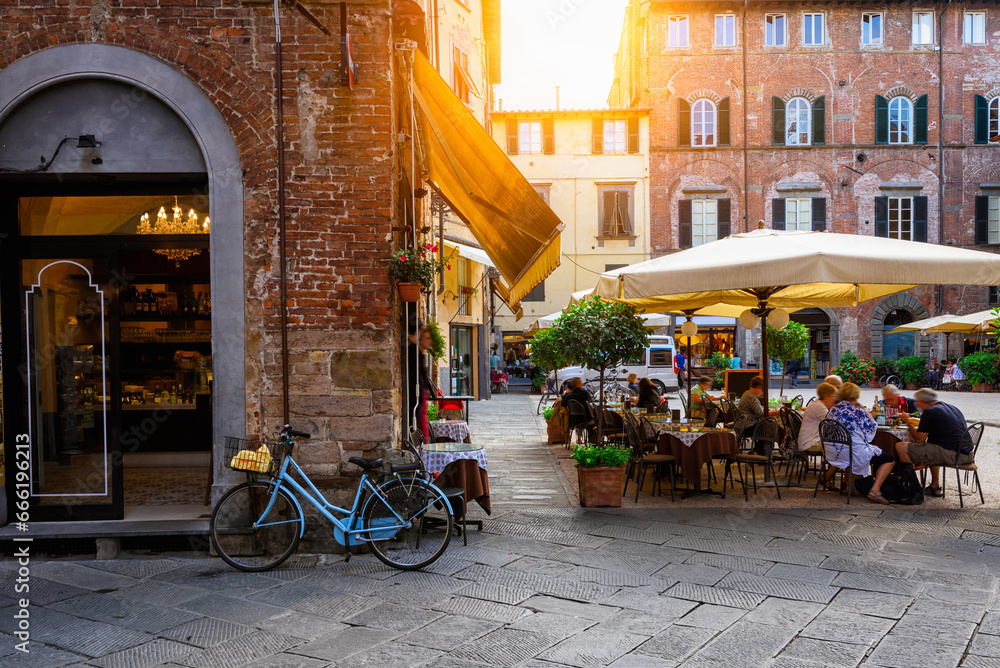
(940, 290)
(746, 167)
(282, 269)
(437, 48)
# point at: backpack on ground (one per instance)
(901, 487)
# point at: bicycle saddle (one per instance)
(366, 464)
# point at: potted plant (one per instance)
(786, 345)
(980, 370)
(719, 362)
(414, 269)
(601, 471)
(912, 370)
(854, 369)
(547, 354)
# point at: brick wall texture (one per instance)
(650, 74)
(341, 192)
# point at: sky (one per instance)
(565, 43)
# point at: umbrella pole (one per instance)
(767, 364)
(688, 364)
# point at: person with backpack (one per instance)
(861, 426)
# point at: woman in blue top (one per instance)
(861, 427)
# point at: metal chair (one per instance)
(641, 460)
(456, 495)
(971, 439)
(834, 434)
(766, 434)
(579, 417)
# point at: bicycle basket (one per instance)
(251, 456)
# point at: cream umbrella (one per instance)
(769, 272)
(974, 323)
(924, 325)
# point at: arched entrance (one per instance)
(112, 336)
(893, 311)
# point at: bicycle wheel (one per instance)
(243, 539)
(419, 503)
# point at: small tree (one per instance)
(786, 345)
(547, 353)
(600, 335)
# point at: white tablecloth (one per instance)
(456, 430)
(435, 462)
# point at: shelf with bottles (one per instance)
(165, 335)
(163, 390)
(157, 302)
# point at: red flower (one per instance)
(449, 266)
(402, 258)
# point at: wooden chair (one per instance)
(832, 432)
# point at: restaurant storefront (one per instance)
(715, 335)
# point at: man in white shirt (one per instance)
(814, 414)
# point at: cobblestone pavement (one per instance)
(546, 586)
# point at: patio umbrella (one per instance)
(770, 272)
(923, 325)
(974, 323)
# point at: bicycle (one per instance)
(406, 522)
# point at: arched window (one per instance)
(797, 122)
(703, 123)
(900, 121)
(995, 119)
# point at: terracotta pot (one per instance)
(983, 387)
(409, 292)
(601, 486)
(912, 386)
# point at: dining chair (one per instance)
(456, 495)
(641, 460)
(579, 417)
(970, 442)
(765, 433)
(834, 434)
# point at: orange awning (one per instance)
(460, 160)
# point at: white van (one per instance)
(657, 364)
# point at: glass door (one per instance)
(68, 388)
(462, 360)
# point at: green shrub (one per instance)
(590, 456)
(854, 369)
(912, 369)
(538, 380)
(432, 412)
(979, 368)
(720, 362)
(547, 413)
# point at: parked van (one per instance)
(657, 364)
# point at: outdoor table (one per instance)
(887, 436)
(456, 430)
(693, 449)
(460, 465)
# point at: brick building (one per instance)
(827, 116)
(134, 343)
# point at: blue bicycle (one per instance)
(406, 521)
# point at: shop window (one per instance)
(871, 28)
(775, 33)
(537, 294)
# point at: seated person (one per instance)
(861, 427)
(751, 412)
(834, 380)
(578, 393)
(735, 363)
(896, 404)
(648, 396)
(935, 440)
(815, 413)
(633, 382)
(956, 371)
(934, 374)
(698, 394)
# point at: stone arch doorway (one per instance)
(893, 311)
(150, 120)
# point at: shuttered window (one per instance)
(902, 218)
(798, 122)
(615, 216)
(704, 221)
(615, 136)
(703, 123)
(987, 220)
(987, 123)
(900, 121)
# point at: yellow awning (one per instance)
(509, 219)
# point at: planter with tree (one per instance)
(912, 371)
(600, 335)
(719, 362)
(601, 472)
(980, 370)
(787, 344)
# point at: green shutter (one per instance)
(881, 120)
(982, 120)
(683, 122)
(881, 216)
(920, 218)
(778, 213)
(777, 121)
(684, 223)
(920, 120)
(819, 120)
(819, 214)
(982, 219)
(724, 122)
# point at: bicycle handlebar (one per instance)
(288, 431)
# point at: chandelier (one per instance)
(176, 225)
